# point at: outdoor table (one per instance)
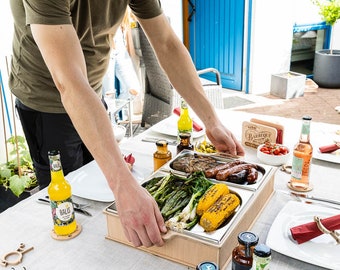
(30, 222)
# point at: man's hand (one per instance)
(140, 216)
(224, 140)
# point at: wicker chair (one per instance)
(158, 92)
(213, 90)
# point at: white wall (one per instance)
(272, 29)
(173, 9)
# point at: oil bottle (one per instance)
(185, 123)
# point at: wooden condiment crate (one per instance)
(189, 250)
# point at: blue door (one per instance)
(216, 29)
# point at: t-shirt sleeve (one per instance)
(47, 12)
(146, 9)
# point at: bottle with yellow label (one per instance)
(184, 123)
(60, 195)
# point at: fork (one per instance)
(78, 205)
(77, 209)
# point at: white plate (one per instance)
(169, 127)
(322, 139)
(333, 157)
(321, 251)
(89, 182)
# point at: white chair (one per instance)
(213, 90)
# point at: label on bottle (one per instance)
(62, 212)
(237, 266)
(297, 166)
(261, 263)
(55, 164)
(305, 129)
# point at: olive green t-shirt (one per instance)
(94, 21)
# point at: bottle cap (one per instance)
(184, 135)
(306, 117)
(53, 152)
(207, 266)
(162, 143)
(248, 238)
(262, 250)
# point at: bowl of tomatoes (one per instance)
(273, 154)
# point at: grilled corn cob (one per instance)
(210, 197)
(219, 212)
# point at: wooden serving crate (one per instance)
(189, 249)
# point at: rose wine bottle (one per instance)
(302, 156)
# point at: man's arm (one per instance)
(177, 63)
(63, 56)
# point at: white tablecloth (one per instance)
(30, 222)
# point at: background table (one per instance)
(30, 222)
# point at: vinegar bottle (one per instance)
(184, 143)
(59, 191)
(184, 123)
(302, 156)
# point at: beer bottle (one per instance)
(59, 191)
(302, 156)
(184, 123)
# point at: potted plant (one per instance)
(17, 176)
(327, 62)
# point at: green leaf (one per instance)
(5, 173)
(18, 184)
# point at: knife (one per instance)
(154, 139)
(311, 198)
(76, 209)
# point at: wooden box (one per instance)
(190, 249)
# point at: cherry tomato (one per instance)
(274, 149)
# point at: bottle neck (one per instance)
(184, 139)
(184, 111)
(56, 169)
(184, 107)
(162, 149)
(162, 146)
(305, 131)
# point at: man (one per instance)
(60, 55)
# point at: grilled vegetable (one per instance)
(205, 147)
(210, 197)
(177, 198)
(219, 212)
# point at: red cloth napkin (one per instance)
(305, 232)
(329, 148)
(196, 126)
